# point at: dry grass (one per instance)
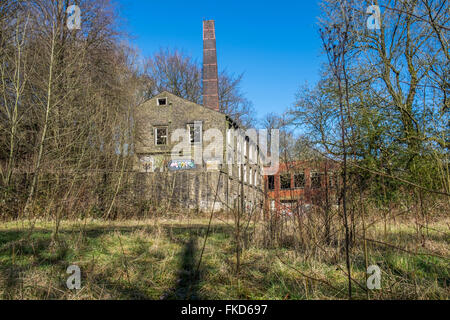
(157, 260)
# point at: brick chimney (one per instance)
(210, 74)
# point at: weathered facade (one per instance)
(193, 156)
(299, 184)
(190, 167)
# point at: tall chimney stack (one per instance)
(210, 73)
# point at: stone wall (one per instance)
(196, 191)
(190, 187)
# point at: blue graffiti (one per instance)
(175, 165)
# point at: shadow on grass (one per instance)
(39, 252)
(41, 236)
(187, 285)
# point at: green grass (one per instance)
(157, 260)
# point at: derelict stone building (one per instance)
(187, 154)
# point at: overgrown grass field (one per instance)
(158, 259)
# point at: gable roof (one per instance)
(166, 93)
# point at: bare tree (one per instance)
(336, 42)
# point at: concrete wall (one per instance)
(196, 191)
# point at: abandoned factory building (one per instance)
(188, 177)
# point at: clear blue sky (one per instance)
(275, 43)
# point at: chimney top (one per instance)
(210, 73)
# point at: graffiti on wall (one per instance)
(153, 163)
(159, 163)
(147, 163)
(175, 165)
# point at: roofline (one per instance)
(166, 91)
(220, 112)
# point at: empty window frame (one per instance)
(252, 154)
(285, 181)
(332, 180)
(316, 180)
(229, 137)
(239, 153)
(299, 180)
(162, 101)
(271, 182)
(161, 136)
(288, 206)
(245, 148)
(195, 132)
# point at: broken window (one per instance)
(162, 101)
(316, 182)
(288, 206)
(272, 204)
(332, 180)
(271, 182)
(285, 181)
(161, 136)
(245, 148)
(229, 140)
(195, 132)
(299, 180)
